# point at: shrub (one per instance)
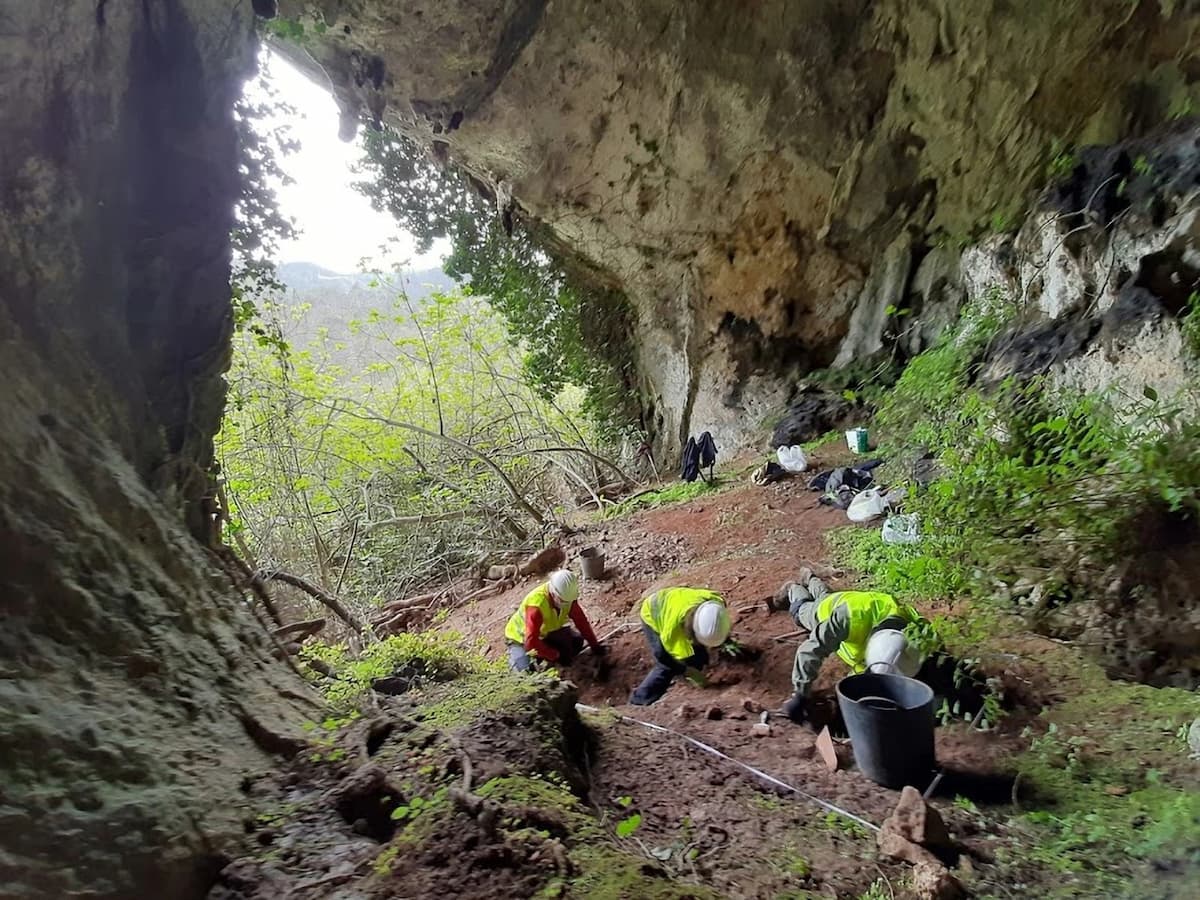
(1035, 476)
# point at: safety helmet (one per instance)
(564, 586)
(889, 653)
(711, 624)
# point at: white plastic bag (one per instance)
(901, 530)
(792, 459)
(866, 506)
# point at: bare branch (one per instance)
(461, 445)
(511, 525)
(298, 631)
(628, 479)
(349, 553)
(316, 593)
(419, 520)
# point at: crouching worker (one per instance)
(680, 625)
(864, 628)
(539, 629)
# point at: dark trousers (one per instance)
(666, 667)
(567, 641)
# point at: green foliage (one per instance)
(629, 825)
(680, 492)
(490, 687)
(839, 823)
(790, 861)
(573, 330)
(1062, 165)
(259, 226)
(908, 570)
(428, 655)
(965, 803)
(877, 891)
(1002, 222)
(1031, 472)
(285, 29)
(829, 437)
(1189, 323)
(602, 869)
(1181, 107)
(417, 805)
(1142, 166)
(922, 406)
(311, 463)
(383, 862)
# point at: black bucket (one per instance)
(890, 721)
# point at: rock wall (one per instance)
(136, 689)
(762, 179)
(1102, 273)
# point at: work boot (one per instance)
(781, 600)
(793, 708)
(788, 597)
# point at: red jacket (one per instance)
(533, 630)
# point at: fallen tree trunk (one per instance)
(299, 630)
(396, 615)
(394, 606)
(322, 596)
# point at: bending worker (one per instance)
(539, 626)
(864, 628)
(680, 625)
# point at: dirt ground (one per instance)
(704, 826)
(744, 543)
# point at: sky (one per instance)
(337, 226)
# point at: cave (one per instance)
(137, 689)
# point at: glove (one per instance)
(794, 709)
(696, 677)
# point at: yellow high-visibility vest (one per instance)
(665, 610)
(552, 619)
(867, 609)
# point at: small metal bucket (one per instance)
(591, 561)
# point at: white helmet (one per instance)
(889, 653)
(711, 624)
(564, 586)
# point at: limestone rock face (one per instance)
(1102, 272)
(131, 676)
(761, 179)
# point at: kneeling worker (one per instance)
(864, 628)
(539, 626)
(680, 625)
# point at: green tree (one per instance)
(382, 476)
(573, 331)
(259, 226)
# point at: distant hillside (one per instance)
(337, 298)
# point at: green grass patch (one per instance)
(1113, 790)
(427, 655)
(681, 492)
(466, 698)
